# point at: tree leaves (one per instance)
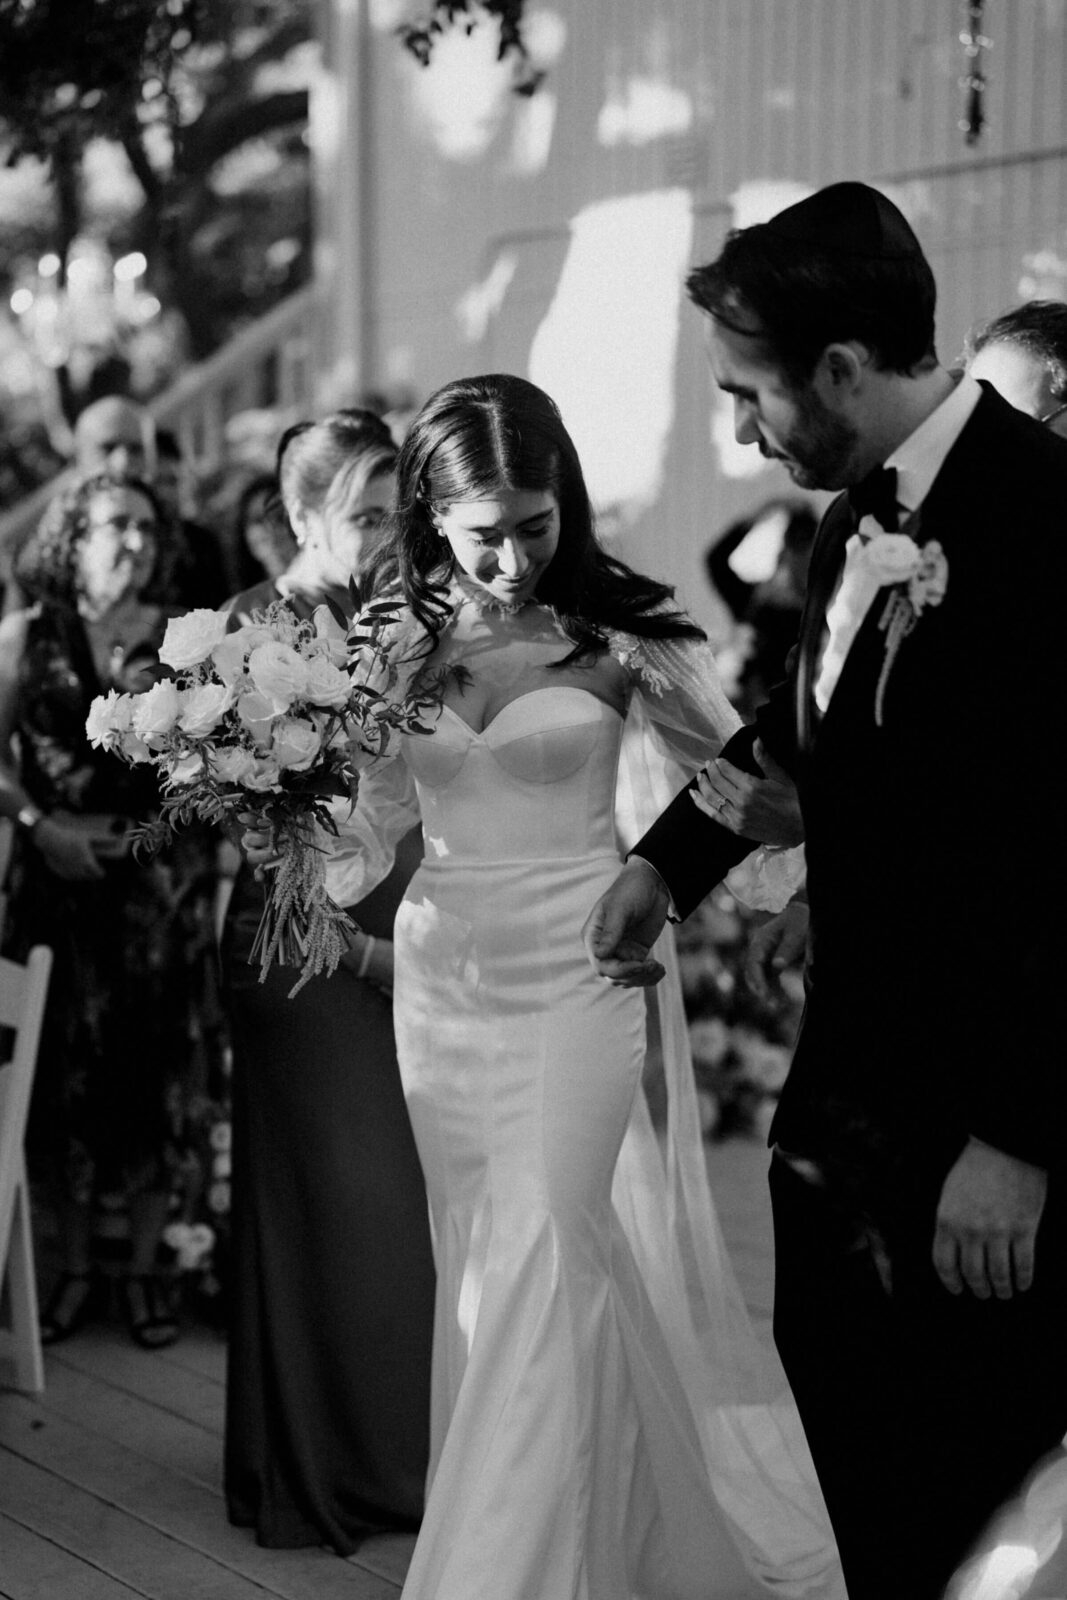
(420, 36)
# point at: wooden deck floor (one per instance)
(111, 1481)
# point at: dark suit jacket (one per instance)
(934, 855)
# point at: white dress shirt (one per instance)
(917, 461)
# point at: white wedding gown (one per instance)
(604, 1423)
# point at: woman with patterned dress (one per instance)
(129, 1054)
(603, 1427)
(327, 1413)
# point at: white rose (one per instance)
(892, 557)
(709, 1040)
(327, 685)
(279, 672)
(191, 639)
(258, 714)
(185, 768)
(156, 712)
(133, 748)
(929, 584)
(231, 653)
(266, 774)
(329, 632)
(228, 658)
(232, 765)
(109, 716)
(221, 1136)
(204, 708)
(768, 1066)
(295, 744)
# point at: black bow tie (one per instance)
(876, 494)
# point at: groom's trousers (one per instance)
(924, 1410)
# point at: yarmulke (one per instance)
(849, 219)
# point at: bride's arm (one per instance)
(682, 699)
(362, 853)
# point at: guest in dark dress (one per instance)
(125, 1064)
(198, 575)
(262, 541)
(328, 1395)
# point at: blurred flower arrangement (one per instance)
(269, 720)
(197, 1238)
(742, 1046)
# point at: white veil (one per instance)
(756, 1455)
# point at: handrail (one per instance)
(269, 363)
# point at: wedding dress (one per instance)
(605, 1424)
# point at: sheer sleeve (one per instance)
(682, 693)
(362, 853)
(679, 719)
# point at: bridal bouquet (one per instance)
(274, 720)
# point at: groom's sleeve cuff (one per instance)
(672, 909)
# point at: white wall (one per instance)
(473, 230)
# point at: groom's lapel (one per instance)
(827, 557)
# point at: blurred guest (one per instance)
(329, 1361)
(263, 541)
(115, 434)
(120, 1081)
(1023, 354)
(199, 574)
(759, 568)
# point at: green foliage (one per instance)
(207, 102)
(420, 36)
(71, 70)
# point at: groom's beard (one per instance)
(819, 450)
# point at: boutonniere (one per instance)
(918, 575)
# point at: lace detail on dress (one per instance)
(628, 652)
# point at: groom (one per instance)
(919, 1179)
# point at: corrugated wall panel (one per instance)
(803, 91)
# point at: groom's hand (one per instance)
(987, 1220)
(624, 925)
(775, 946)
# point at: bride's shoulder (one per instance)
(652, 656)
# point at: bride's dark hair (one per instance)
(471, 439)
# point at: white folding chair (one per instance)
(23, 990)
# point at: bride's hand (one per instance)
(766, 808)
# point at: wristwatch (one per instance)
(28, 816)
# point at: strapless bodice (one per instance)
(483, 795)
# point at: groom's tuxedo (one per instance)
(933, 840)
(934, 880)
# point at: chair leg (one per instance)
(22, 1288)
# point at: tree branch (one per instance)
(226, 127)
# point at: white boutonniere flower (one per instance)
(929, 583)
(919, 575)
(892, 557)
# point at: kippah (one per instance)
(849, 219)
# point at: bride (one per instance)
(604, 1424)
